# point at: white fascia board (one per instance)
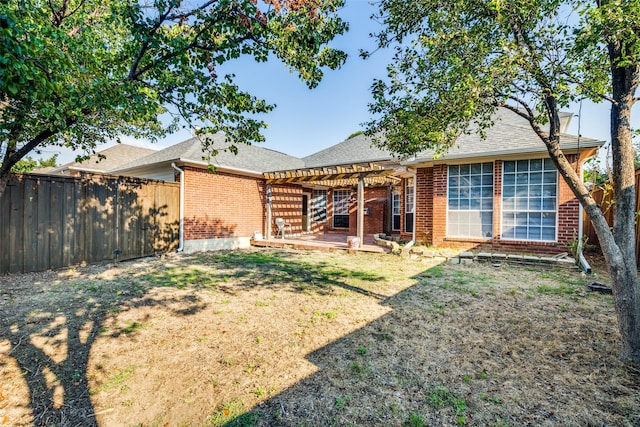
(498, 155)
(238, 171)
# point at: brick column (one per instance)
(439, 230)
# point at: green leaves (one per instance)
(96, 69)
(457, 61)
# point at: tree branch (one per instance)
(145, 45)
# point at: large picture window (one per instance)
(529, 200)
(470, 200)
(341, 208)
(319, 206)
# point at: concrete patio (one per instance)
(322, 242)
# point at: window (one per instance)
(319, 206)
(529, 200)
(470, 200)
(395, 201)
(408, 206)
(341, 208)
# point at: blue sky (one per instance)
(306, 121)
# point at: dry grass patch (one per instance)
(303, 338)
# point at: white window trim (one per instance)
(493, 208)
(395, 193)
(313, 206)
(333, 207)
(502, 210)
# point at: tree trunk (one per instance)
(623, 268)
(4, 180)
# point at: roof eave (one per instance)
(424, 161)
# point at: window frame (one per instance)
(396, 196)
(547, 168)
(346, 194)
(409, 205)
(486, 202)
(322, 207)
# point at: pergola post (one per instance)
(360, 205)
(269, 220)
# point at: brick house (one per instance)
(500, 193)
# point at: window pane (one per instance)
(523, 165)
(548, 165)
(522, 203)
(535, 178)
(509, 179)
(550, 177)
(522, 178)
(536, 165)
(535, 191)
(535, 233)
(476, 168)
(509, 167)
(521, 232)
(549, 219)
(548, 233)
(508, 191)
(535, 204)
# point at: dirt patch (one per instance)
(309, 338)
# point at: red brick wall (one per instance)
(375, 198)
(431, 215)
(221, 205)
(287, 203)
(424, 205)
(439, 218)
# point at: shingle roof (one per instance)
(250, 158)
(511, 134)
(358, 149)
(113, 157)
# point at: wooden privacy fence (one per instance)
(604, 197)
(54, 221)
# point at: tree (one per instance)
(457, 61)
(78, 72)
(29, 164)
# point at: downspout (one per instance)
(582, 261)
(181, 232)
(415, 198)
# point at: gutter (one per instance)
(181, 233)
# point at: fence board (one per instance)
(604, 198)
(51, 221)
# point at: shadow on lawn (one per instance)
(454, 351)
(70, 319)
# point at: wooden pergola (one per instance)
(359, 174)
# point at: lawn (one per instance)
(274, 337)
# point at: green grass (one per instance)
(232, 414)
(415, 420)
(116, 380)
(556, 289)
